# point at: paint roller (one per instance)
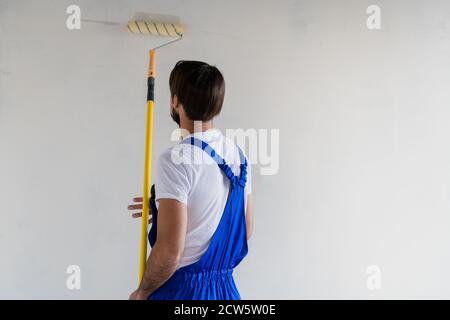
(159, 29)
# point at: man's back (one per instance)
(187, 174)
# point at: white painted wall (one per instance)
(363, 116)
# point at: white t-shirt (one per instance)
(188, 174)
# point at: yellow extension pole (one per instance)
(147, 166)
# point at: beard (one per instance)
(175, 116)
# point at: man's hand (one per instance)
(138, 206)
(138, 295)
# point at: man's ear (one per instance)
(174, 101)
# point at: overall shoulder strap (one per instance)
(241, 180)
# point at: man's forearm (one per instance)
(160, 267)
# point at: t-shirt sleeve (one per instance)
(172, 180)
(248, 186)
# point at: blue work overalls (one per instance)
(211, 278)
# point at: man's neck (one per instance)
(196, 126)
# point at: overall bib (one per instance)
(211, 278)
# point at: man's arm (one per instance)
(165, 256)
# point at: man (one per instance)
(202, 206)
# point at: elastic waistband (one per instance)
(205, 273)
(193, 277)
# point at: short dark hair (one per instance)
(200, 88)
